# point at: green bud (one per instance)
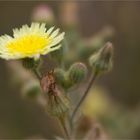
(77, 72)
(59, 76)
(102, 60)
(62, 79)
(30, 63)
(74, 75)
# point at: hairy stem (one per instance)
(93, 77)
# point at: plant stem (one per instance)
(93, 77)
(36, 72)
(62, 121)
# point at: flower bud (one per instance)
(30, 63)
(102, 60)
(77, 72)
(43, 13)
(59, 76)
(62, 78)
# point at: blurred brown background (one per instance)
(20, 118)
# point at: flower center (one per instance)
(28, 44)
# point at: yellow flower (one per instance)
(30, 42)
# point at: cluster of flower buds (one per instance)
(54, 85)
(76, 73)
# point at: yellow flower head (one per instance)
(30, 42)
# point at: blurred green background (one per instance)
(20, 118)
